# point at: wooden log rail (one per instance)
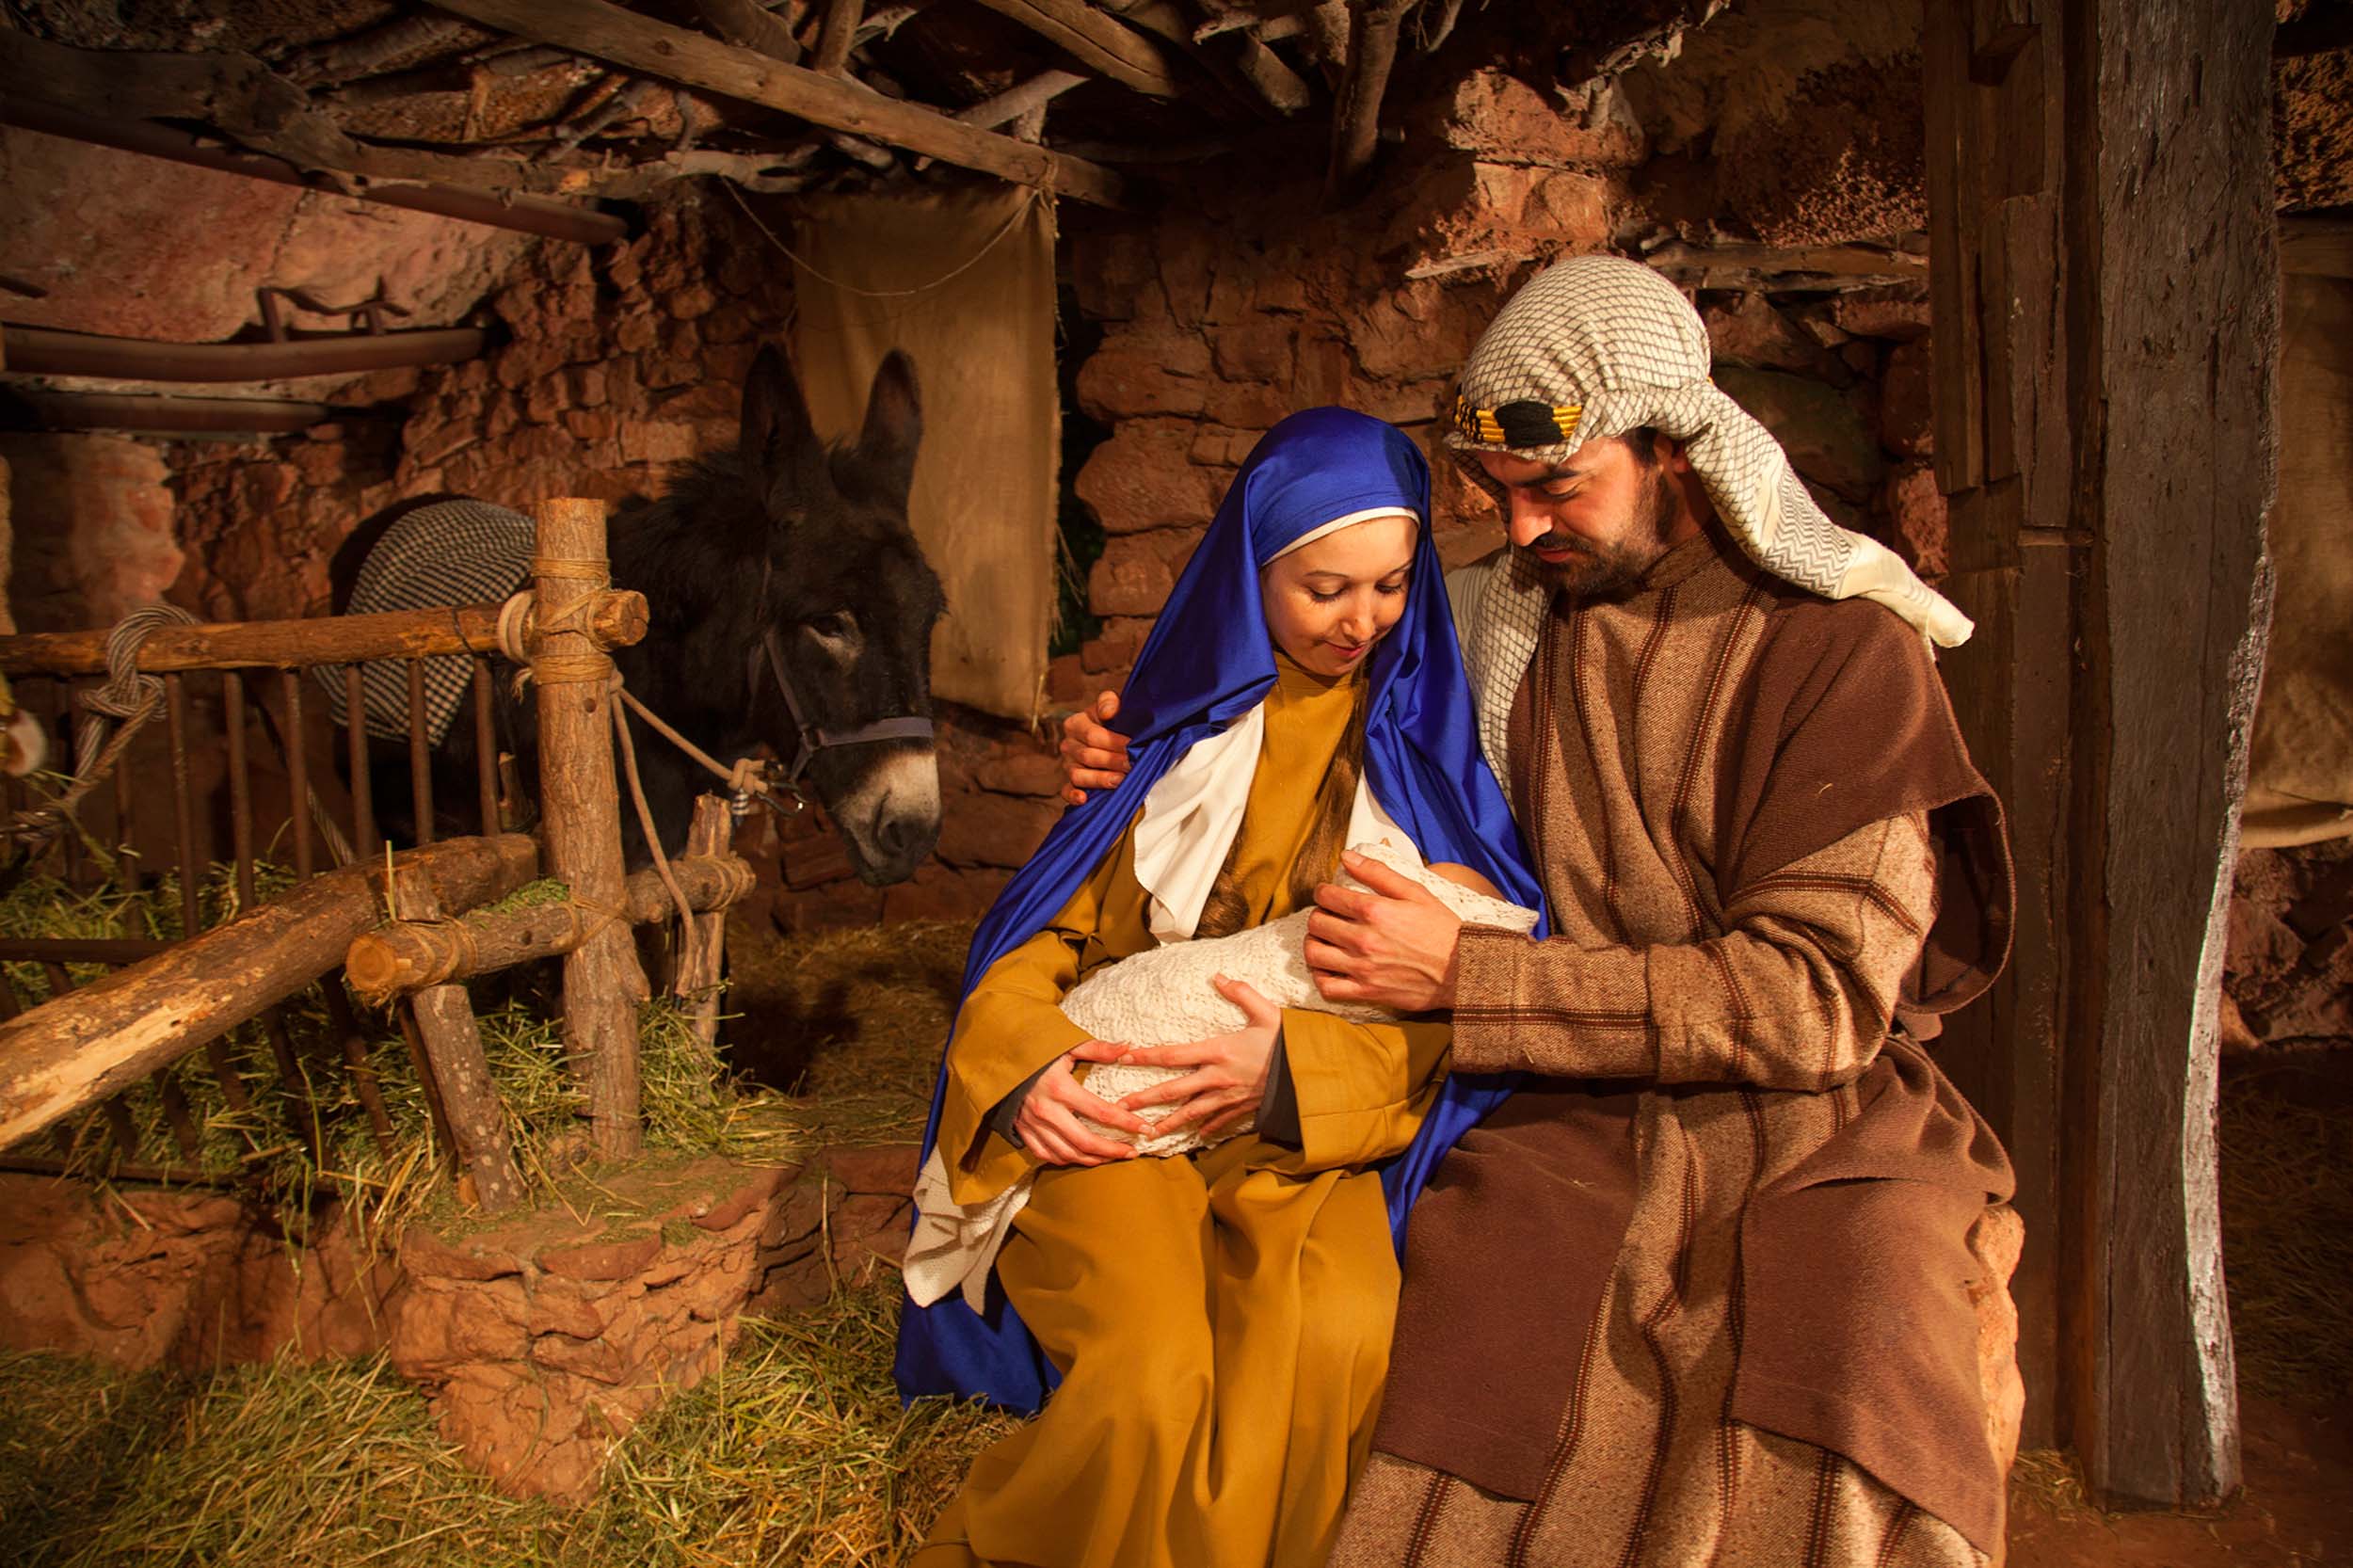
(411, 954)
(617, 621)
(77, 1050)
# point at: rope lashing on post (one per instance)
(127, 700)
(570, 669)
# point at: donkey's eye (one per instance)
(839, 626)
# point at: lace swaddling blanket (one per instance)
(1161, 996)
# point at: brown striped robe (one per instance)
(1701, 1292)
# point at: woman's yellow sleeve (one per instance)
(1013, 1024)
(1362, 1088)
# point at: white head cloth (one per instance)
(1606, 346)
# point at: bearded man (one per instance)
(1703, 1285)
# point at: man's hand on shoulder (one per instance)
(1093, 756)
(1392, 946)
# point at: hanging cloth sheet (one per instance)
(964, 281)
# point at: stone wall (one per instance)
(1245, 304)
(92, 529)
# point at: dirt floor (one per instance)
(2287, 1226)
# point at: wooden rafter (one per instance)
(1372, 29)
(638, 43)
(838, 36)
(1094, 41)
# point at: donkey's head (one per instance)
(850, 606)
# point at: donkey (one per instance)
(790, 607)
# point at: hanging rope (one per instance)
(125, 702)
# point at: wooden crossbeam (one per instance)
(1095, 41)
(656, 49)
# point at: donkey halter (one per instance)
(810, 739)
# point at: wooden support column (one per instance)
(453, 1043)
(2105, 343)
(580, 810)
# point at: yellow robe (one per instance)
(1222, 1321)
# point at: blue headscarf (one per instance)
(1208, 662)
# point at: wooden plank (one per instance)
(1095, 41)
(835, 36)
(2178, 389)
(638, 43)
(581, 820)
(68, 1054)
(1954, 203)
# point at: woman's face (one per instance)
(1329, 601)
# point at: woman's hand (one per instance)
(1049, 1118)
(1093, 757)
(1229, 1071)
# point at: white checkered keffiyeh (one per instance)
(1616, 342)
(449, 553)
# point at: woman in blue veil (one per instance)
(1218, 1324)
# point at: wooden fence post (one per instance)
(711, 833)
(453, 1043)
(580, 806)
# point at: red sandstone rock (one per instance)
(1919, 526)
(648, 441)
(888, 1169)
(994, 830)
(424, 1253)
(1907, 414)
(1141, 374)
(601, 1260)
(1116, 277)
(1819, 428)
(1261, 349)
(1021, 772)
(1253, 405)
(1747, 330)
(1494, 115)
(1900, 314)
(1142, 478)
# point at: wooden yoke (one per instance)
(580, 808)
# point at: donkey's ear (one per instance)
(775, 417)
(894, 423)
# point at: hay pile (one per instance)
(2286, 1131)
(796, 1454)
(834, 1039)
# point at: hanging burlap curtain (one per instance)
(2300, 773)
(964, 281)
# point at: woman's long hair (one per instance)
(1319, 859)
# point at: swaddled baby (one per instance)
(1163, 995)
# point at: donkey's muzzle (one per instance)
(891, 821)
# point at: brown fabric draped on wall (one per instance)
(2299, 787)
(964, 281)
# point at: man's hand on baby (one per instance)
(1049, 1118)
(1392, 946)
(1093, 757)
(1228, 1072)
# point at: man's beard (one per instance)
(1607, 571)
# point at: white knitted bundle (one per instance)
(1163, 995)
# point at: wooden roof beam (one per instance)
(1094, 41)
(1372, 29)
(639, 43)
